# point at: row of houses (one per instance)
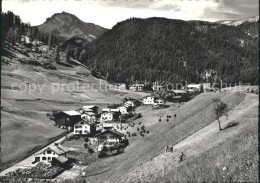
(58, 155)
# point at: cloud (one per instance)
(107, 13)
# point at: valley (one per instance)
(87, 103)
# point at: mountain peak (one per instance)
(66, 25)
(240, 21)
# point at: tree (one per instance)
(57, 54)
(76, 53)
(67, 53)
(50, 41)
(220, 108)
(82, 55)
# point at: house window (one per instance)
(44, 158)
(85, 131)
(82, 123)
(53, 153)
(48, 151)
(103, 137)
(112, 137)
(76, 131)
(49, 158)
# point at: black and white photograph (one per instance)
(129, 91)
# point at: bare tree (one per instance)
(220, 108)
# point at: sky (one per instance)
(107, 13)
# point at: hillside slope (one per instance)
(195, 132)
(65, 25)
(53, 86)
(208, 151)
(175, 51)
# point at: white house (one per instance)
(148, 100)
(137, 87)
(193, 87)
(84, 127)
(159, 101)
(107, 116)
(90, 116)
(123, 109)
(122, 86)
(51, 152)
(129, 103)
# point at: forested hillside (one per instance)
(175, 50)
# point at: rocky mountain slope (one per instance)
(239, 22)
(65, 25)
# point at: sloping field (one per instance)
(210, 155)
(191, 118)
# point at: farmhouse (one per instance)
(107, 116)
(123, 109)
(50, 153)
(67, 119)
(137, 87)
(84, 127)
(89, 116)
(148, 100)
(90, 108)
(109, 135)
(129, 104)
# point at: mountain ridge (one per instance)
(66, 25)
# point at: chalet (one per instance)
(123, 109)
(89, 116)
(108, 136)
(107, 116)
(67, 119)
(148, 100)
(90, 108)
(129, 103)
(137, 87)
(84, 127)
(47, 155)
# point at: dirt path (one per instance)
(27, 162)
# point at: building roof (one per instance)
(72, 113)
(90, 113)
(58, 149)
(179, 91)
(89, 106)
(106, 112)
(149, 96)
(61, 159)
(111, 131)
(85, 121)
